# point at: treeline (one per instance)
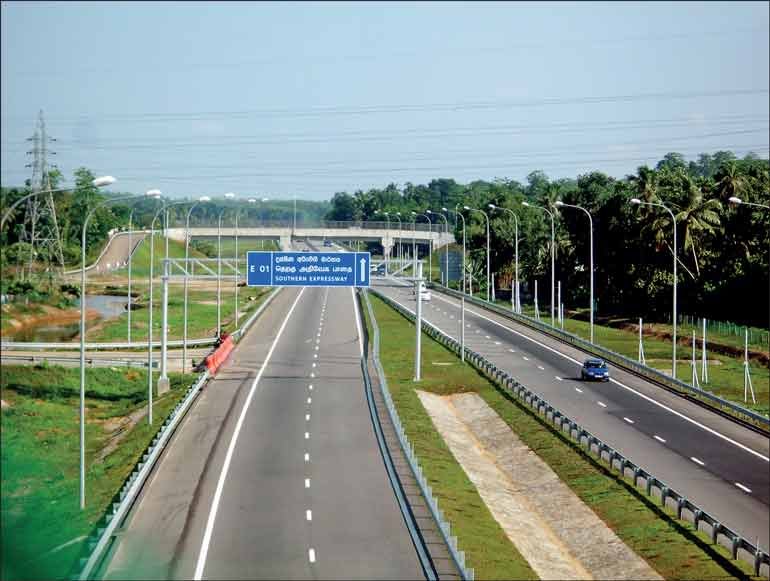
(72, 206)
(722, 248)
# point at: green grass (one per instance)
(140, 261)
(244, 245)
(201, 315)
(671, 547)
(40, 459)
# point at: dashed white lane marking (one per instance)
(307, 417)
(315, 356)
(525, 358)
(558, 378)
(312, 375)
(601, 403)
(697, 461)
(497, 342)
(541, 368)
(310, 387)
(309, 514)
(317, 347)
(618, 383)
(307, 457)
(577, 389)
(307, 435)
(487, 337)
(309, 400)
(307, 482)
(512, 350)
(311, 555)
(742, 487)
(629, 420)
(477, 331)
(468, 325)
(209, 530)
(317, 340)
(659, 439)
(314, 364)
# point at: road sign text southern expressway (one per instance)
(308, 268)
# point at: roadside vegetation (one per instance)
(671, 547)
(42, 524)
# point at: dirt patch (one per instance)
(4, 404)
(50, 315)
(554, 530)
(118, 428)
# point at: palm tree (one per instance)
(645, 183)
(697, 218)
(730, 180)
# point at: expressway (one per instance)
(719, 465)
(275, 472)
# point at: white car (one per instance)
(425, 295)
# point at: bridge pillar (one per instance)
(286, 242)
(387, 245)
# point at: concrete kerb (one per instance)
(626, 468)
(101, 538)
(444, 526)
(725, 407)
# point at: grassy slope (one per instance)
(201, 316)
(40, 434)
(674, 549)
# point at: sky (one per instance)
(306, 99)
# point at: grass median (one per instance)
(671, 547)
(42, 526)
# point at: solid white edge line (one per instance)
(742, 487)
(311, 555)
(358, 323)
(616, 382)
(231, 449)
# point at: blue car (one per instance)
(595, 369)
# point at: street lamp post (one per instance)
(446, 253)
(553, 256)
(516, 303)
(237, 272)
(399, 250)
(487, 218)
(163, 383)
(228, 195)
(561, 204)
(430, 245)
(738, 201)
(128, 292)
(186, 270)
(462, 296)
(83, 341)
(638, 202)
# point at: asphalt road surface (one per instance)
(721, 466)
(275, 473)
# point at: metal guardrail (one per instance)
(653, 375)
(543, 409)
(39, 346)
(438, 516)
(90, 361)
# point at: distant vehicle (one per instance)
(327, 242)
(595, 369)
(424, 292)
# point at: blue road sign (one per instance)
(308, 268)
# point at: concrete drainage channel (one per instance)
(444, 528)
(98, 543)
(653, 487)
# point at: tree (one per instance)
(343, 208)
(698, 217)
(730, 180)
(672, 161)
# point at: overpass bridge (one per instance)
(388, 235)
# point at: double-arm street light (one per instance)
(414, 243)
(186, 271)
(515, 294)
(561, 204)
(83, 334)
(462, 296)
(487, 219)
(96, 182)
(638, 202)
(228, 196)
(553, 257)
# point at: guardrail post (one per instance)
(736, 543)
(697, 515)
(715, 531)
(663, 495)
(679, 506)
